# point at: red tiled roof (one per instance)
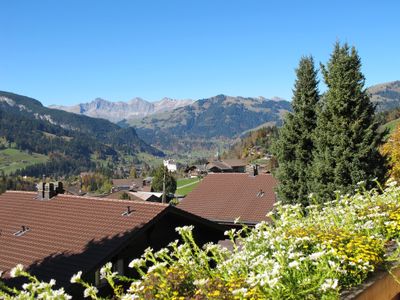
(66, 226)
(218, 164)
(235, 162)
(126, 182)
(225, 197)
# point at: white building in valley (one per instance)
(170, 164)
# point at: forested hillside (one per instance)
(210, 120)
(69, 140)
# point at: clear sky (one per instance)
(67, 52)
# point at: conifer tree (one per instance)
(346, 138)
(294, 146)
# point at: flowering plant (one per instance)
(313, 253)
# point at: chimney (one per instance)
(46, 191)
(255, 170)
(58, 188)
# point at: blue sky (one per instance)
(67, 52)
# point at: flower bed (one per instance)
(312, 253)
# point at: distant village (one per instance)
(71, 230)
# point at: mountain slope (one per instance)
(208, 121)
(386, 95)
(118, 111)
(28, 125)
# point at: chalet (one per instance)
(126, 184)
(195, 171)
(223, 198)
(226, 166)
(139, 196)
(55, 235)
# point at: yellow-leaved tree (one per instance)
(391, 149)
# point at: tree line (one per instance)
(330, 142)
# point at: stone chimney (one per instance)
(255, 170)
(46, 191)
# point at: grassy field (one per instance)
(186, 185)
(13, 159)
(392, 124)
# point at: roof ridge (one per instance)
(113, 200)
(241, 174)
(20, 192)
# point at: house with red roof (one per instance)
(225, 197)
(56, 235)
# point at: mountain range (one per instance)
(386, 95)
(71, 141)
(208, 121)
(118, 111)
(186, 124)
(180, 126)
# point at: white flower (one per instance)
(105, 269)
(184, 229)
(329, 284)
(90, 291)
(16, 271)
(27, 286)
(76, 277)
(200, 282)
(241, 292)
(294, 264)
(137, 263)
(316, 255)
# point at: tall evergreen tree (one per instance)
(294, 146)
(346, 138)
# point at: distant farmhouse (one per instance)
(127, 184)
(137, 195)
(223, 198)
(55, 235)
(226, 166)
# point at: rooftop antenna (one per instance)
(127, 212)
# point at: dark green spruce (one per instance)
(346, 138)
(294, 146)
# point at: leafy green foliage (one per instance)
(16, 183)
(254, 144)
(125, 196)
(157, 183)
(346, 137)
(96, 182)
(295, 144)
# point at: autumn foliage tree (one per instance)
(391, 149)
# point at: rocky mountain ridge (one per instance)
(135, 108)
